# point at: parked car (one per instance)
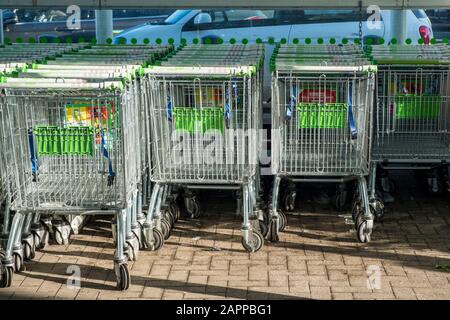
(9, 17)
(276, 24)
(52, 24)
(272, 24)
(440, 20)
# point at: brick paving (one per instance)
(317, 258)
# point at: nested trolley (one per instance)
(205, 117)
(412, 116)
(72, 129)
(322, 98)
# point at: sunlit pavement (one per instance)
(317, 257)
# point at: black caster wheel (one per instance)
(193, 209)
(363, 232)
(40, 236)
(61, 232)
(175, 210)
(389, 187)
(263, 228)
(60, 239)
(19, 266)
(165, 228)
(6, 277)
(273, 230)
(434, 187)
(123, 277)
(158, 238)
(255, 242)
(169, 217)
(339, 201)
(359, 217)
(356, 208)
(282, 221)
(29, 251)
(289, 200)
(377, 208)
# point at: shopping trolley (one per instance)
(205, 116)
(412, 117)
(113, 65)
(75, 148)
(13, 58)
(321, 124)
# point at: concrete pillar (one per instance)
(103, 25)
(399, 25)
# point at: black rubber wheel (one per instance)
(363, 233)
(58, 237)
(430, 188)
(282, 221)
(377, 208)
(6, 277)
(167, 214)
(39, 243)
(29, 251)
(123, 278)
(391, 187)
(339, 201)
(193, 209)
(359, 217)
(263, 228)
(273, 231)
(289, 201)
(175, 210)
(159, 239)
(165, 228)
(19, 266)
(255, 243)
(356, 208)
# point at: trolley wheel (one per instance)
(6, 277)
(255, 243)
(29, 251)
(273, 231)
(356, 208)
(175, 210)
(377, 208)
(165, 228)
(391, 187)
(167, 215)
(359, 217)
(58, 238)
(282, 221)
(263, 228)
(193, 209)
(19, 266)
(289, 200)
(123, 277)
(434, 189)
(61, 234)
(363, 232)
(159, 239)
(339, 201)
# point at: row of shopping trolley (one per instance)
(137, 131)
(74, 139)
(342, 113)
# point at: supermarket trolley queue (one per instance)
(71, 130)
(201, 94)
(412, 117)
(322, 98)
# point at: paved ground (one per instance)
(316, 258)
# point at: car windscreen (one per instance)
(176, 16)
